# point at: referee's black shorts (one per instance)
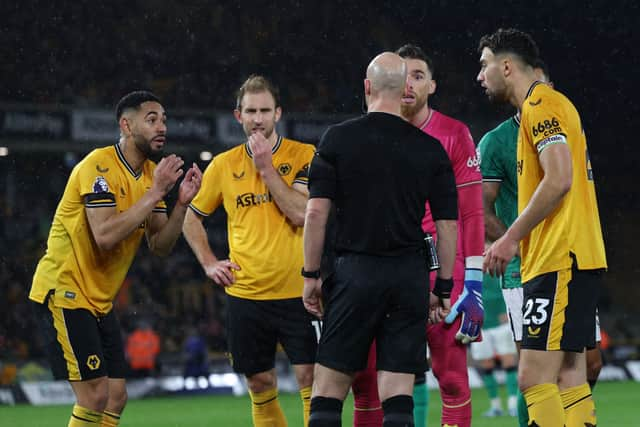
(376, 297)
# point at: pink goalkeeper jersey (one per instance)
(458, 143)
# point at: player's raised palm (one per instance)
(167, 172)
(190, 185)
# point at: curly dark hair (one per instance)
(512, 41)
(134, 100)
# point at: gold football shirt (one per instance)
(80, 274)
(548, 118)
(262, 241)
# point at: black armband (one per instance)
(442, 288)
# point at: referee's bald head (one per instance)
(387, 72)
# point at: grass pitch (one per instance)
(616, 403)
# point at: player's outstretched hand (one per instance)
(469, 306)
(190, 185)
(221, 272)
(312, 296)
(166, 173)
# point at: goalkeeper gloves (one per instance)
(469, 304)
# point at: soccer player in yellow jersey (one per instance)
(557, 230)
(113, 198)
(262, 186)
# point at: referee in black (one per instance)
(378, 170)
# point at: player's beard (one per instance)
(499, 95)
(409, 111)
(267, 130)
(144, 146)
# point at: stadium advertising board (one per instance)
(27, 123)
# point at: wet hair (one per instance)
(411, 51)
(513, 41)
(256, 84)
(134, 100)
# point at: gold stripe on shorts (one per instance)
(63, 338)
(560, 303)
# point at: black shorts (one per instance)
(559, 310)
(79, 345)
(255, 327)
(381, 298)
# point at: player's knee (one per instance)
(118, 399)
(594, 365)
(487, 364)
(365, 388)
(509, 361)
(526, 378)
(261, 381)
(304, 375)
(93, 395)
(453, 383)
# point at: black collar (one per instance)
(126, 164)
(273, 150)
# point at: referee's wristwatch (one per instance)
(315, 274)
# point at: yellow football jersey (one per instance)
(262, 241)
(82, 275)
(548, 117)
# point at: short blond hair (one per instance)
(256, 84)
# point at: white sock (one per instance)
(512, 402)
(496, 404)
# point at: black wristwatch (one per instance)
(315, 274)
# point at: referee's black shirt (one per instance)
(379, 170)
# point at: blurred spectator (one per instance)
(142, 348)
(34, 371)
(8, 373)
(321, 72)
(196, 355)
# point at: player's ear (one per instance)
(236, 114)
(507, 67)
(125, 126)
(432, 87)
(278, 113)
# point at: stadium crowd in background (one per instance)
(30, 185)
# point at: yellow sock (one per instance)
(544, 405)
(83, 417)
(579, 407)
(110, 419)
(266, 410)
(305, 395)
